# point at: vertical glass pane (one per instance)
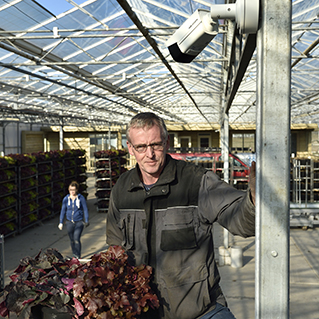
(249, 142)
(238, 142)
(243, 142)
(171, 140)
(184, 142)
(204, 142)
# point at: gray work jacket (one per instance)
(170, 228)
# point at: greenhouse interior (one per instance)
(74, 72)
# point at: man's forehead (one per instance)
(144, 134)
(145, 131)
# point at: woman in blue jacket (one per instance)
(75, 210)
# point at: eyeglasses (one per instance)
(141, 148)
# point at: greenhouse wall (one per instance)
(11, 136)
(32, 141)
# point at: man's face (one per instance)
(152, 160)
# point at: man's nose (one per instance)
(149, 151)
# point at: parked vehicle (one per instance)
(214, 161)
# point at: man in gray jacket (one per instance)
(162, 213)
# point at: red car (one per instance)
(214, 162)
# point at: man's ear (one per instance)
(130, 148)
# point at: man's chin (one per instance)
(152, 169)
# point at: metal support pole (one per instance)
(19, 148)
(2, 261)
(109, 138)
(61, 138)
(224, 116)
(225, 152)
(4, 138)
(273, 151)
(225, 147)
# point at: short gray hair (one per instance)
(148, 120)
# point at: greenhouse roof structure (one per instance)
(99, 62)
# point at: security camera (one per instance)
(193, 36)
(202, 26)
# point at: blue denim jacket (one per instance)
(74, 210)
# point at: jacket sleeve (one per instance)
(113, 233)
(231, 208)
(63, 209)
(85, 208)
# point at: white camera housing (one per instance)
(193, 36)
(202, 26)
(244, 12)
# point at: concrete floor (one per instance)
(238, 284)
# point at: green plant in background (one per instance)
(41, 156)
(7, 188)
(6, 175)
(7, 215)
(23, 159)
(33, 206)
(7, 201)
(44, 190)
(78, 152)
(28, 183)
(28, 195)
(26, 220)
(7, 228)
(28, 208)
(4, 161)
(58, 185)
(69, 172)
(28, 171)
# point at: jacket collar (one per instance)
(167, 176)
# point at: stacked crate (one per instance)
(8, 196)
(109, 165)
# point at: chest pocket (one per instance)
(127, 226)
(179, 229)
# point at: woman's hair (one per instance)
(146, 120)
(74, 184)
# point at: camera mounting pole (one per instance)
(202, 26)
(245, 12)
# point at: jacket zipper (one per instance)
(72, 209)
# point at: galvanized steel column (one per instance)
(225, 146)
(61, 138)
(273, 152)
(225, 152)
(224, 138)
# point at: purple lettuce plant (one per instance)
(38, 282)
(109, 287)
